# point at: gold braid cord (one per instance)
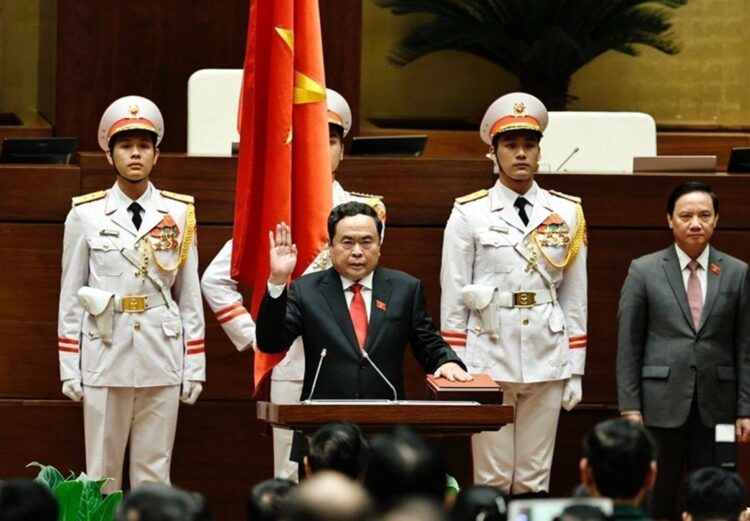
(187, 240)
(575, 244)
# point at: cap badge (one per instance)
(519, 108)
(133, 110)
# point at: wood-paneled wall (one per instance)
(219, 451)
(110, 49)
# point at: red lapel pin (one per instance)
(380, 304)
(715, 268)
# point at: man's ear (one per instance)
(648, 483)
(306, 464)
(109, 157)
(156, 155)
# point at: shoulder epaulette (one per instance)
(87, 198)
(188, 199)
(370, 196)
(566, 196)
(472, 196)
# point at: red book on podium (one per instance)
(482, 389)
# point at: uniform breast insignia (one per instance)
(553, 232)
(164, 235)
(472, 196)
(87, 198)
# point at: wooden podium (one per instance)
(452, 423)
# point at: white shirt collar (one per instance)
(685, 259)
(124, 200)
(365, 281)
(509, 196)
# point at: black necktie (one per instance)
(136, 208)
(521, 205)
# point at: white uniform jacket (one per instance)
(161, 345)
(486, 243)
(224, 299)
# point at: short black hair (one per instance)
(351, 209)
(689, 187)
(714, 493)
(620, 454)
(339, 446)
(403, 464)
(476, 500)
(119, 135)
(267, 499)
(160, 502)
(26, 500)
(534, 133)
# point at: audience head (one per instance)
(582, 513)
(402, 464)
(618, 460)
(338, 446)
(267, 499)
(713, 494)
(328, 496)
(159, 502)
(416, 509)
(26, 500)
(480, 500)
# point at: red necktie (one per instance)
(358, 312)
(694, 294)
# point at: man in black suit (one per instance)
(355, 318)
(683, 358)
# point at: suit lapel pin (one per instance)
(380, 305)
(715, 268)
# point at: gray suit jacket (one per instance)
(662, 357)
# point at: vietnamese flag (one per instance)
(284, 171)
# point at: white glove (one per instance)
(572, 392)
(190, 391)
(73, 389)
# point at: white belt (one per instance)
(141, 303)
(526, 298)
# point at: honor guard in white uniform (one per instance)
(130, 330)
(513, 299)
(225, 300)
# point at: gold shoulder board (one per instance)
(188, 199)
(87, 198)
(370, 196)
(566, 196)
(472, 196)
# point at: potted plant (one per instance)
(541, 42)
(78, 498)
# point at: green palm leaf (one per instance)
(542, 42)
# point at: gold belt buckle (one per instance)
(524, 299)
(134, 304)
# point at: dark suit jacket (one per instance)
(315, 308)
(663, 360)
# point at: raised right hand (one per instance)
(283, 253)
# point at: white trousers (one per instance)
(518, 458)
(284, 392)
(147, 416)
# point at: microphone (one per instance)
(367, 357)
(574, 152)
(317, 373)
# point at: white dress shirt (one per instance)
(701, 272)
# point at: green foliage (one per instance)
(79, 498)
(542, 42)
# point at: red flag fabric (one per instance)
(284, 162)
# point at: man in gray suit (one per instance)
(683, 358)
